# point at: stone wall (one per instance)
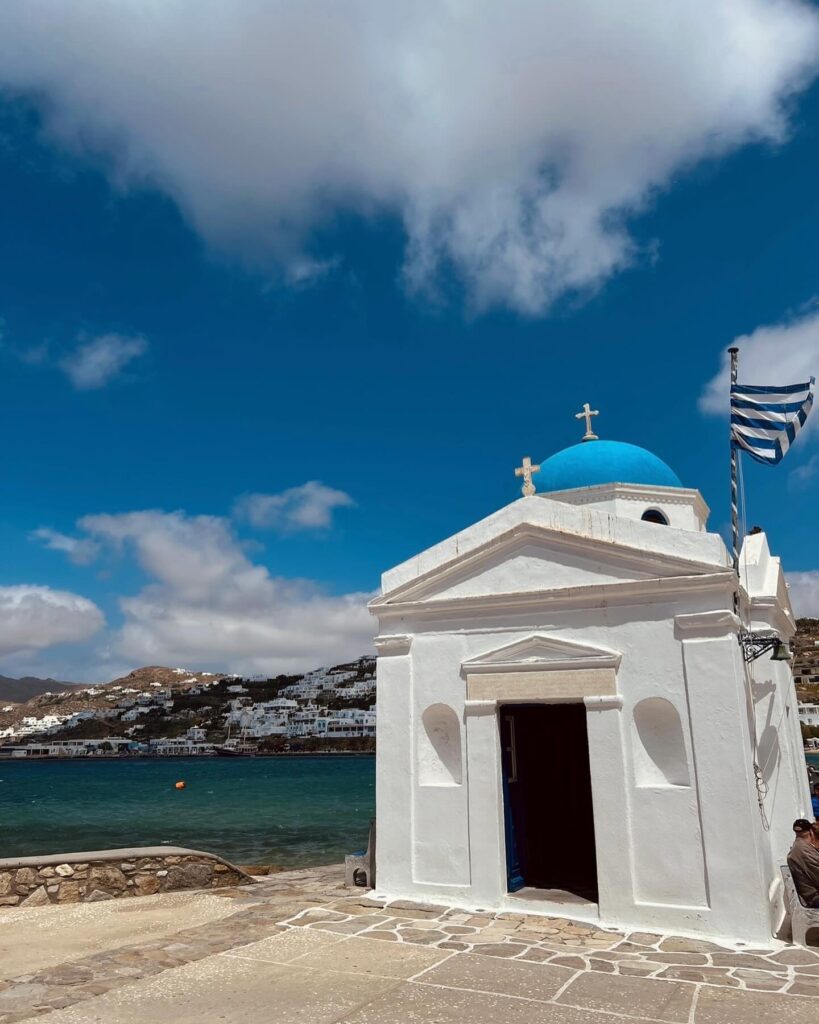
(112, 874)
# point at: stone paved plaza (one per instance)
(298, 946)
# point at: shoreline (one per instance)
(179, 757)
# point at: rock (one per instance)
(38, 898)
(161, 874)
(577, 963)
(107, 877)
(190, 876)
(69, 892)
(98, 895)
(675, 944)
(64, 870)
(52, 888)
(709, 975)
(799, 988)
(80, 867)
(425, 908)
(761, 980)
(127, 866)
(9, 901)
(499, 949)
(26, 876)
(146, 885)
(47, 872)
(644, 938)
(794, 957)
(6, 880)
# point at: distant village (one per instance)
(172, 712)
(164, 712)
(806, 678)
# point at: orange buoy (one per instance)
(180, 785)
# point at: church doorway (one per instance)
(548, 798)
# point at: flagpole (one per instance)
(734, 353)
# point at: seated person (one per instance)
(803, 861)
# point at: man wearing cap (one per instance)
(803, 861)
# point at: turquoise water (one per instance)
(272, 810)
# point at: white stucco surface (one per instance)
(549, 601)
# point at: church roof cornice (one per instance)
(608, 594)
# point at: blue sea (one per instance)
(292, 811)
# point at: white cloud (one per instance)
(308, 507)
(511, 139)
(32, 618)
(97, 362)
(804, 592)
(801, 476)
(81, 551)
(786, 353)
(207, 604)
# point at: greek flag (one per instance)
(765, 421)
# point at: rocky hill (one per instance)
(18, 691)
(61, 700)
(159, 705)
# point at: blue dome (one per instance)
(603, 462)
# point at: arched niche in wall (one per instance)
(654, 515)
(439, 747)
(659, 746)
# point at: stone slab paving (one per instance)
(300, 947)
(31, 940)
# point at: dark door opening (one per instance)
(548, 798)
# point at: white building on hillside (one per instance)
(809, 714)
(566, 722)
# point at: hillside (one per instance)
(18, 691)
(156, 704)
(60, 701)
(805, 647)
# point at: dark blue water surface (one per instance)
(272, 810)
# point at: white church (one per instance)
(566, 722)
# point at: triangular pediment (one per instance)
(530, 559)
(542, 652)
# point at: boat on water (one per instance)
(237, 746)
(237, 749)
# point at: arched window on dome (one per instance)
(654, 515)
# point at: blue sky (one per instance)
(170, 345)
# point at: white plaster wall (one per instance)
(684, 509)
(536, 567)
(785, 790)
(738, 877)
(393, 775)
(665, 806)
(440, 819)
(573, 522)
(441, 814)
(691, 855)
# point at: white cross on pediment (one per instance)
(526, 471)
